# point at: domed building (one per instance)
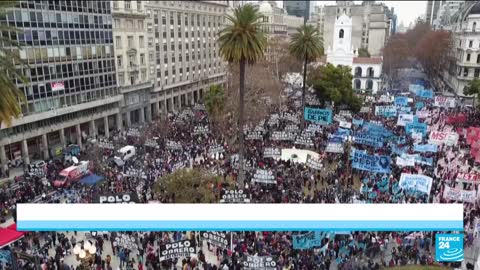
(276, 21)
(465, 26)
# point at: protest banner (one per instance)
(406, 160)
(416, 127)
(376, 129)
(386, 111)
(179, 249)
(118, 198)
(473, 134)
(200, 130)
(314, 163)
(234, 196)
(424, 161)
(444, 102)
(423, 148)
(304, 139)
(404, 119)
(125, 241)
(454, 194)
(468, 177)
(308, 240)
(173, 145)
(292, 128)
(282, 136)
(217, 239)
(419, 105)
(366, 162)
(365, 110)
(334, 148)
(369, 139)
(416, 182)
(254, 136)
(422, 114)
(345, 113)
(404, 110)
(264, 176)
(216, 149)
(274, 153)
(345, 124)
(314, 128)
(259, 263)
(447, 138)
(424, 93)
(459, 118)
(322, 116)
(385, 99)
(357, 122)
(401, 101)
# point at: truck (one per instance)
(72, 174)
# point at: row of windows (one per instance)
(470, 43)
(98, 6)
(468, 59)
(55, 54)
(466, 72)
(179, 31)
(191, 4)
(201, 20)
(59, 37)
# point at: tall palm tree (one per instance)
(215, 100)
(242, 42)
(9, 93)
(306, 45)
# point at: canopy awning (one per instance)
(9, 235)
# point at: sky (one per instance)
(407, 11)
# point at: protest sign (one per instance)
(423, 114)
(406, 160)
(416, 182)
(179, 249)
(334, 148)
(404, 110)
(323, 116)
(254, 135)
(417, 137)
(459, 118)
(459, 195)
(259, 263)
(416, 127)
(369, 139)
(118, 198)
(133, 132)
(125, 241)
(292, 128)
(401, 101)
(423, 148)
(151, 143)
(345, 113)
(444, 102)
(308, 240)
(424, 93)
(314, 163)
(200, 130)
(473, 134)
(234, 196)
(385, 99)
(468, 177)
(357, 122)
(414, 88)
(447, 138)
(424, 161)
(304, 139)
(282, 136)
(386, 111)
(264, 176)
(272, 153)
(404, 119)
(419, 105)
(345, 124)
(173, 145)
(366, 162)
(365, 110)
(216, 149)
(217, 239)
(314, 128)
(290, 117)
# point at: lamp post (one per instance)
(85, 253)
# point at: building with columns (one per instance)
(72, 91)
(99, 66)
(366, 71)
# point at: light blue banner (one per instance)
(366, 162)
(424, 160)
(419, 105)
(423, 148)
(369, 139)
(386, 111)
(415, 87)
(401, 101)
(322, 116)
(404, 109)
(357, 122)
(417, 127)
(399, 150)
(425, 93)
(309, 240)
(376, 129)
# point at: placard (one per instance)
(118, 198)
(292, 128)
(404, 119)
(365, 110)
(274, 153)
(323, 116)
(416, 127)
(254, 135)
(423, 114)
(447, 138)
(344, 124)
(345, 113)
(200, 130)
(234, 196)
(307, 240)
(468, 177)
(217, 239)
(314, 163)
(416, 182)
(423, 148)
(366, 162)
(304, 139)
(173, 145)
(334, 148)
(459, 195)
(406, 160)
(386, 111)
(179, 249)
(259, 263)
(282, 136)
(442, 101)
(401, 101)
(369, 139)
(264, 176)
(216, 149)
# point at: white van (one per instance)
(123, 154)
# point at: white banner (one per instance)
(404, 119)
(406, 160)
(334, 148)
(459, 195)
(416, 182)
(441, 101)
(423, 114)
(344, 124)
(439, 138)
(365, 109)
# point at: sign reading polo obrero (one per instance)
(234, 196)
(179, 249)
(259, 263)
(217, 239)
(118, 198)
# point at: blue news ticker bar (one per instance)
(239, 225)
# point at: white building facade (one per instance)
(366, 71)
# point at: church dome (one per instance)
(265, 7)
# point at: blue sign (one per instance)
(423, 148)
(404, 109)
(369, 139)
(419, 105)
(386, 111)
(425, 93)
(401, 101)
(417, 127)
(449, 247)
(399, 150)
(322, 116)
(310, 239)
(6, 256)
(424, 160)
(357, 122)
(376, 129)
(366, 162)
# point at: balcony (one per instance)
(135, 87)
(132, 13)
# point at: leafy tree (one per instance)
(307, 45)
(473, 88)
(242, 42)
(11, 96)
(333, 83)
(395, 54)
(215, 100)
(188, 186)
(363, 52)
(433, 51)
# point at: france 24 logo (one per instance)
(449, 247)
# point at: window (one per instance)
(130, 41)
(465, 72)
(142, 59)
(141, 41)
(358, 72)
(127, 4)
(140, 24)
(139, 5)
(369, 84)
(121, 78)
(119, 61)
(370, 72)
(116, 23)
(477, 73)
(468, 57)
(474, 26)
(341, 33)
(129, 24)
(118, 42)
(470, 43)
(478, 58)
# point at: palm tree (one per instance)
(242, 41)
(215, 100)
(306, 45)
(11, 96)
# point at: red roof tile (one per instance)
(367, 60)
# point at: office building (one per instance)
(276, 22)
(72, 91)
(445, 14)
(299, 8)
(432, 10)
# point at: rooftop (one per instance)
(367, 60)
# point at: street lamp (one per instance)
(85, 253)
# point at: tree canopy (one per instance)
(363, 52)
(473, 88)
